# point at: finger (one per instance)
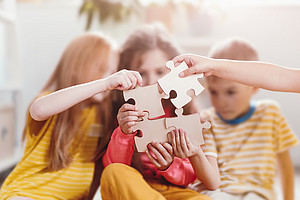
(168, 147)
(129, 82)
(162, 151)
(179, 59)
(157, 153)
(128, 107)
(138, 77)
(173, 141)
(152, 159)
(129, 113)
(123, 83)
(128, 127)
(129, 119)
(190, 71)
(184, 147)
(178, 144)
(188, 142)
(141, 114)
(133, 80)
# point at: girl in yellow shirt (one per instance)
(63, 127)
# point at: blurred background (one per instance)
(33, 34)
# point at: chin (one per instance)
(228, 117)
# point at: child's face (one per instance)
(230, 99)
(95, 71)
(153, 66)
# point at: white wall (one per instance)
(46, 28)
(274, 31)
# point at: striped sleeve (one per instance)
(209, 148)
(285, 137)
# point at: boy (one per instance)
(249, 137)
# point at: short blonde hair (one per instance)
(234, 49)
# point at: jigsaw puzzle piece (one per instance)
(190, 123)
(152, 130)
(147, 99)
(181, 86)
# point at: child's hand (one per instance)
(124, 80)
(197, 64)
(182, 146)
(160, 154)
(127, 117)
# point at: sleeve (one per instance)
(120, 148)
(209, 148)
(35, 129)
(285, 138)
(180, 172)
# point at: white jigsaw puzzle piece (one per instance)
(181, 86)
(152, 130)
(190, 123)
(147, 99)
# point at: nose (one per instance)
(151, 79)
(221, 101)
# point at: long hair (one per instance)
(86, 53)
(142, 40)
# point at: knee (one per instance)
(111, 173)
(112, 170)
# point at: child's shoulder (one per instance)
(207, 113)
(267, 104)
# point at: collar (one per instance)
(241, 119)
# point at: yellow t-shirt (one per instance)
(247, 151)
(30, 178)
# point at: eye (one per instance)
(231, 92)
(212, 92)
(161, 71)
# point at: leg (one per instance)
(171, 192)
(120, 181)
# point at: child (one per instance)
(64, 124)
(249, 137)
(258, 74)
(156, 174)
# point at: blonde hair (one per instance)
(234, 49)
(87, 52)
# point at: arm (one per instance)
(120, 148)
(286, 172)
(257, 74)
(180, 172)
(205, 167)
(61, 100)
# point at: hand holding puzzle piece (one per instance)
(148, 99)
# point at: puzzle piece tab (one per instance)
(152, 130)
(147, 99)
(181, 86)
(190, 123)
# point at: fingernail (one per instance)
(181, 74)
